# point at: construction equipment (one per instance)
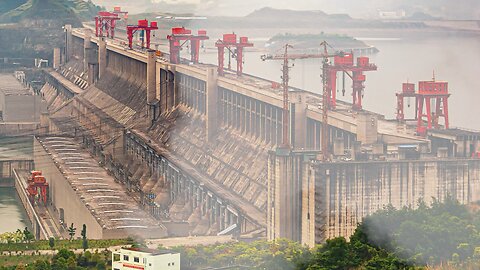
(145, 33)
(179, 37)
(118, 11)
(37, 188)
(326, 90)
(429, 91)
(105, 22)
(408, 91)
(235, 50)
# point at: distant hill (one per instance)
(268, 12)
(61, 11)
(303, 43)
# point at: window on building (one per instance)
(173, 263)
(125, 257)
(116, 257)
(136, 259)
(168, 264)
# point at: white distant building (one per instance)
(389, 15)
(145, 259)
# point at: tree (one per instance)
(84, 237)
(71, 231)
(71, 263)
(60, 264)
(20, 266)
(101, 266)
(51, 242)
(27, 235)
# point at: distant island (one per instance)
(311, 42)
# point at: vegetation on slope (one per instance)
(440, 236)
(62, 11)
(430, 235)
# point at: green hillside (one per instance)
(61, 11)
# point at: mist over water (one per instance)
(404, 56)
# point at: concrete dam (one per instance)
(201, 153)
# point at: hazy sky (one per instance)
(459, 9)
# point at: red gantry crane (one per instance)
(235, 49)
(145, 33)
(430, 93)
(118, 11)
(105, 22)
(179, 37)
(408, 91)
(37, 187)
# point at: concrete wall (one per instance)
(63, 196)
(344, 193)
(284, 195)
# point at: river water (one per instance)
(404, 56)
(12, 214)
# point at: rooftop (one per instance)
(454, 132)
(149, 251)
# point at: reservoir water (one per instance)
(12, 214)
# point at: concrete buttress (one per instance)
(151, 76)
(69, 42)
(299, 135)
(102, 57)
(212, 100)
(86, 47)
(56, 58)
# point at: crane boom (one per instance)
(325, 103)
(326, 91)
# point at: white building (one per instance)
(145, 259)
(392, 15)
